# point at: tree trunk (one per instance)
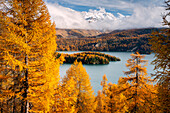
(26, 86)
(14, 105)
(136, 92)
(25, 103)
(1, 105)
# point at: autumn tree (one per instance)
(103, 97)
(137, 86)
(160, 42)
(118, 102)
(110, 100)
(100, 102)
(29, 70)
(134, 93)
(65, 100)
(81, 87)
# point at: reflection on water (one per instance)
(113, 70)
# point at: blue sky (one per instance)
(143, 13)
(122, 6)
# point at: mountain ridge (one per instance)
(78, 33)
(90, 33)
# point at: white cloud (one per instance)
(66, 17)
(145, 17)
(141, 17)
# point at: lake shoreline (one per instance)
(146, 53)
(113, 70)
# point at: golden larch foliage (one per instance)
(28, 67)
(81, 95)
(137, 87)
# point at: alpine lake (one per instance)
(113, 70)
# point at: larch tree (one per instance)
(66, 97)
(137, 86)
(118, 101)
(102, 99)
(160, 42)
(110, 100)
(85, 99)
(29, 70)
(105, 94)
(100, 102)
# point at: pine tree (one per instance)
(28, 66)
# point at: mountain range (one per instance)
(86, 33)
(78, 33)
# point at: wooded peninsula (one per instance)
(88, 58)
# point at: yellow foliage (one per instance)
(27, 45)
(77, 91)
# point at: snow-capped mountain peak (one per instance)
(98, 15)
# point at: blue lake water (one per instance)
(113, 70)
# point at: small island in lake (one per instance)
(88, 58)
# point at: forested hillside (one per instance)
(118, 40)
